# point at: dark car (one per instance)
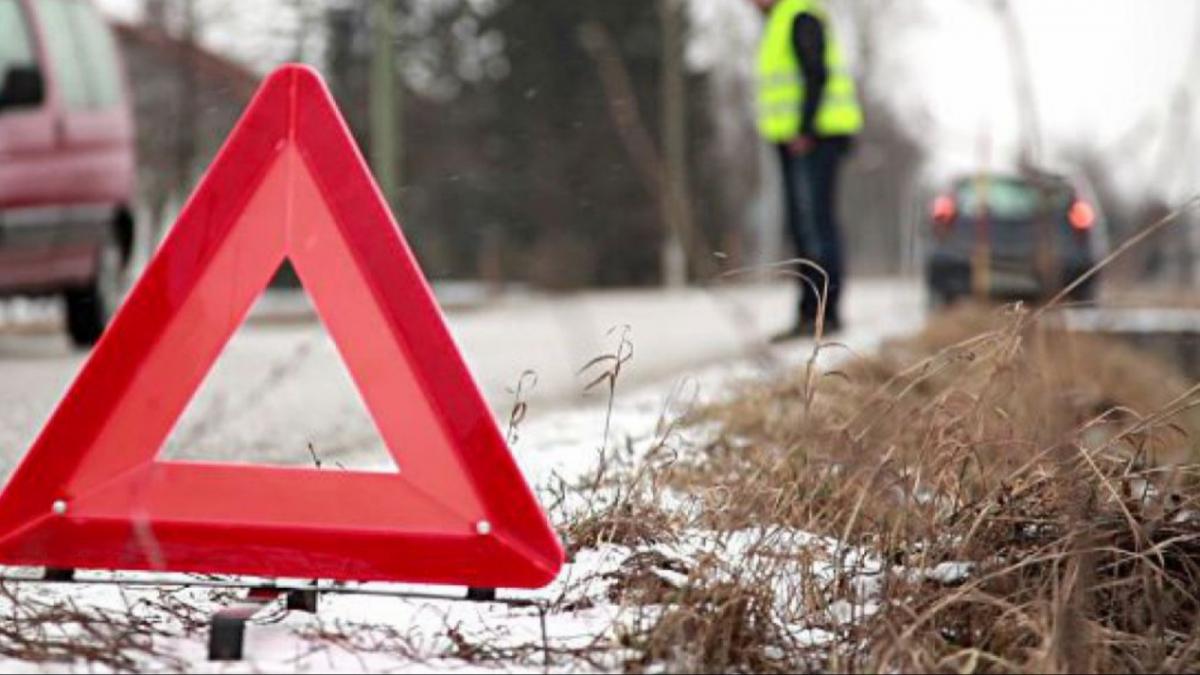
(1012, 237)
(66, 160)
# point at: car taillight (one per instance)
(1081, 215)
(943, 212)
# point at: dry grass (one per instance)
(1047, 471)
(1052, 464)
(936, 421)
(57, 633)
(720, 626)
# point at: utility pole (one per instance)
(1022, 70)
(384, 101)
(676, 207)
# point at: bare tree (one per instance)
(1175, 171)
(181, 20)
(881, 186)
(676, 201)
(663, 175)
(384, 101)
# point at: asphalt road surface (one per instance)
(280, 387)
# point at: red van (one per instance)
(67, 162)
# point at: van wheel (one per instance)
(89, 308)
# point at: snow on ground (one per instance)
(1133, 320)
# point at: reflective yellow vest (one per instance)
(781, 83)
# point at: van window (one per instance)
(82, 54)
(100, 55)
(16, 49)
(66, 59)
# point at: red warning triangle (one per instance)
(288, 184)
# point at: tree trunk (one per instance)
(384, 102)
(676, 206)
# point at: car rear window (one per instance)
(1008, 199)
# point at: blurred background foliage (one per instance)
(601, 143)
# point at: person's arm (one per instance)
(808, 39)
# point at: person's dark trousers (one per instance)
(810, 192)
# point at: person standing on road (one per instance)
(808, 109)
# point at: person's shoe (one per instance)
(832, 325)
(807, 328)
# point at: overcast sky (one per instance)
(1105, 71)
(260, 33)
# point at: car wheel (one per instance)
(939, 299)
(1084, 293)
(89, 308)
